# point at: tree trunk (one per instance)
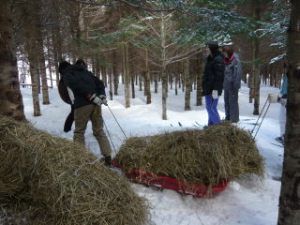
(111, 84)
(256, 60)
(34, 81)
(289, 203)
(188, 89)
(126, 74)
(42, 68)
(132, 86)
(199, 83)
(115, 73)
(176, 82)
(164, 76)
(147, 79)
(11, 103)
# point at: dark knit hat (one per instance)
(212, 44)
(63, 65)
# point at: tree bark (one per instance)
(289, 202)
(199, 83)
(147, 79)
(42, 68)
(115, 73)
(188, 89)
(11, 103)
(126, 74)
(164, 76)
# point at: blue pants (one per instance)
(211, 107)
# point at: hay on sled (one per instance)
(210, 156)
(53, 181)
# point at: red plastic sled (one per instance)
(165, 182)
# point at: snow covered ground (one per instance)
(246, 201)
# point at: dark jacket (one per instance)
(213, 74)
(83, 84)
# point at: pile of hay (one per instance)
(54, 181)
(219, 153)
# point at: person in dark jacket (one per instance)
(232, 83)
(89, 95)
(212, 84)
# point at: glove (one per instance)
(103, 99)
(97, 100)
(215, 94)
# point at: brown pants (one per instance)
(82, 116)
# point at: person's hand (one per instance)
(103, 99)
(95, 99)
(98, 100)
(215, 94)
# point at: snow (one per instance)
(246, 201)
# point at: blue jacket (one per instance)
(284, 86)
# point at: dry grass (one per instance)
(61, 183)
(222, 152)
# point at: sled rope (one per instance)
(117, 121)
(110, 138)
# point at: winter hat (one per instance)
(213, 46)
(62, 66)
(81, 63)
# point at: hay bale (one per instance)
(222, 152)
(60, 182)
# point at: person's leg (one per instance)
(69, 120)
(97, 124)
(234, 105)
(226, 104)
(215, 117)
(282, 120)
(81, 117)
(208, 103)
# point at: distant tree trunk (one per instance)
(111, 85)
(164, 76)
(132, 87)
(50, 61)
(126, 74)
(147, 79)
(11, 103)
(188, 89)
(171, 81)
(256, 60)
(57, 54)
(199, 83)
(176, 82)
(34, 81)
(141, 77)
(155, 83)
(115, 72)
(289, 202)
(42, 68)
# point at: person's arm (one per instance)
(218, 73)
(237, 74)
